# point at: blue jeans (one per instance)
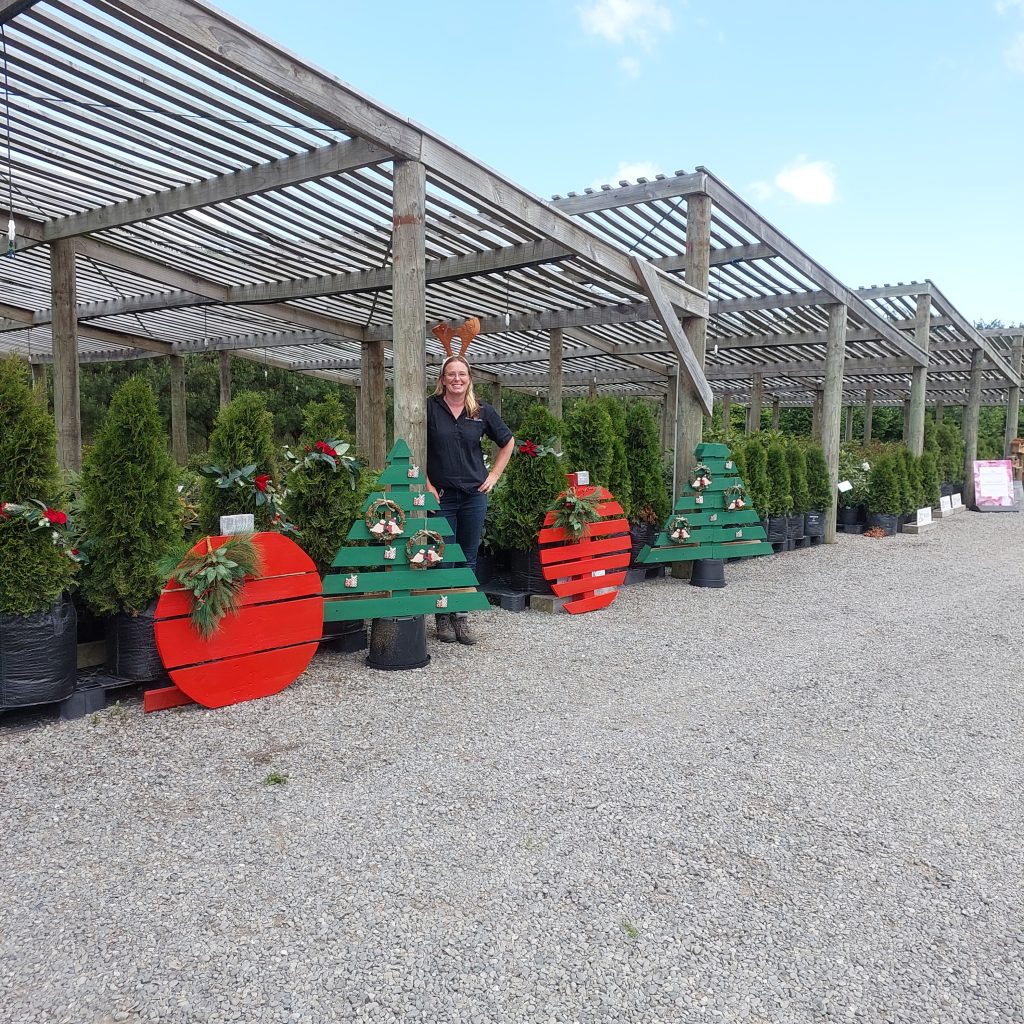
(465, 511)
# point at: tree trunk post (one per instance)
(919, 378)
(64, 330)
(224, 366)
(756, 400)
(555, 374)
(970, 425)
(832, 404)
(179, 413)
(869, 408)
(1013, 400)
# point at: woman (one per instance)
(456, 474)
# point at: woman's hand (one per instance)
(432, 489)
(488, 485)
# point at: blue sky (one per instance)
(885, 138)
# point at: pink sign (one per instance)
(993, 483)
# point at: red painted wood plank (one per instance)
(590, 604)
(219, 683)
(164, 697)
(550, 534)
(258, 591)
(587, 584)
(584, 549)
(616, 560)
(253, 629)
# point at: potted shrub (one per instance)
(819, 492)
(755, 459)
(883, 493)
(38, 642)
(780, 498)
(533, 478)
(588, 439)
(854, 467)
(619, 480)
(906, 469)
(242, 474)
(950, 444)
(649, 502)
(929, 480)
(132, 516)
(796, 460)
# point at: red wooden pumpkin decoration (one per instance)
(570, 566)
(257, 652)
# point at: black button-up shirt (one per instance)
(454, 456)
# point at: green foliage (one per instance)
(950, 445)
(646, 477)
(907, 474)
(619, 480)
(755, 455)
(852, 457)
(796, 459)
(819, 489)
(780, 494)
(34, 572)
(575, 512)
(588, 441)
(244, 435)
(321, 502)
(528, 486)
(130, 508)
(883, 491)
(929, 466)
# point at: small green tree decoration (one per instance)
(130, 508)
(796, 459)
(323, 496)
(242, 438)
(780, 495)
(620, 482)
(533, 478)
(649, 502)
(34, 567)
(588, 438)
(819, 489)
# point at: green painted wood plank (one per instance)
(398, 476)
(400, 579)
(373, 555)
(382, 607)
(658, 555)
(438, 524)
(708, 449)
(745, 515)
(741, 550)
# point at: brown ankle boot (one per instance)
(443, 629)
(463, 633)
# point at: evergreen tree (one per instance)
(883, 492)
(820, 494)
(650, 502)
(929, 479)
(796, 459)
(619, 481)
(758, 484)
(780, 494)
(587, 435)
(130, 507)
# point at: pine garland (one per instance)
(575, 512)
(214, 577)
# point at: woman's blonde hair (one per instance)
(472, 405)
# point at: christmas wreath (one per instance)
(575, 511)
(384, 519)
(678, 529)
(700, 477)
(736, 498)
(424, 549)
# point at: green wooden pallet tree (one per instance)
(405, 573)
(702, 524)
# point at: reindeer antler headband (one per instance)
(466, 333)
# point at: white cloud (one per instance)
(629, 172)
(631, 66)
(808, 181)
(1014, 54)
(621, 21)
(761, 191)
(1002, 6)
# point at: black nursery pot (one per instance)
(814, 524)
(38, 656)
(131, 647)
(708, 572)
(848, 516)
(484, 567)
(794, 527)
(776, 530)
(397, 644)
(641, 535)
(526, 573)
(881, 521)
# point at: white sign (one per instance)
(958, 501)
(844, 486)
(236, 524)
(993, 484)
(924, 516)
(946, 503)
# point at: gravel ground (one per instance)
(794, 799)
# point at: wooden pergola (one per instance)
(181, 184)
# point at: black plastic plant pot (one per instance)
(848, 516)
(38, 656)
(526, 573)
(131, 647)
(484, 567)
(641, 535)
(398, 644)
(884, 522)
(708, 572)
(794, 527)
(776, 529)
(344, 637)
(814, 524)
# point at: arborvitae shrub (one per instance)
(322, 502)
(819, 489)
(649, 499)
(780, 495)
(587, 434)
(619, 481)
(244, 434)
(797, 461)
(758, 484)
(929, 479)
(883, 493)
(34, 572)
(130, 509)
(529, 485)
(951, 452)
(907, 479)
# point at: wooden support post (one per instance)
(179, 414)
(726, 414)
(592, 388)
(1013, 399)
(776, 412)
(39, 378)
(224, 359)
(970, 425)
(906, 421)
(697, 268)
(940, 408)
(409, 300)
(869, 408)
(372, 388)
(832, 405)
(848, 434)
(668, 413)
(919, 378)
(64, 330)
(555, 373)
(817, 412)
(496, 396)
(756, 400)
